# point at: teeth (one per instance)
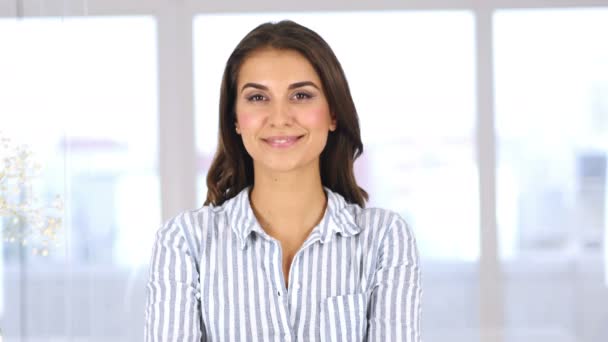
(282, 141)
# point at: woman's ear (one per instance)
(333, 124)
(236, 128)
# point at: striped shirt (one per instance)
(216, 275)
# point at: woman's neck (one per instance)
(288, 205)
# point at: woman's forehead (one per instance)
(273, 65)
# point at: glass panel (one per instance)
(403, 85)
(82, 95)
(552, 124)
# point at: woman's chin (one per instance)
(283, 166)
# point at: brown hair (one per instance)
(232, 167)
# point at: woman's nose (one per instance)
(280, 114)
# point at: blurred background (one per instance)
(485, 124)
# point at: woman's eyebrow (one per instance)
(291, 86)
(254, 85)
(302, 84)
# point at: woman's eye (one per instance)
(255, 98)
(302, 96)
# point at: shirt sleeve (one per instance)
(394, 313)
(173, 298)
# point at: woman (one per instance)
(283, 249)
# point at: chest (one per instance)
(307, 295)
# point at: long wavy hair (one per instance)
(232, 168)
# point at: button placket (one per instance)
(281, 291)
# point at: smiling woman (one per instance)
(284, 248)
(287, 55)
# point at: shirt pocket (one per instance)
(344, 318)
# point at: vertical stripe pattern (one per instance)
(215, 275)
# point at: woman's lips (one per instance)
(282, 141)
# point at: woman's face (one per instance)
(281, 110)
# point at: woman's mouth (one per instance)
(282, 141)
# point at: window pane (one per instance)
(552, 124)
(403, 84)
(82, 94)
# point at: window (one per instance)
(552, 125)
(83, 94)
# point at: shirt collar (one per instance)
(339, 218)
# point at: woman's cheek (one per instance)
(247, 120)
(317, 117)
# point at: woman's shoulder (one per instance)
(378, 217)
(381, 222)
(187, 228)
(192, 222)
(367, 220)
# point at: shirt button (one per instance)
(296, 286)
